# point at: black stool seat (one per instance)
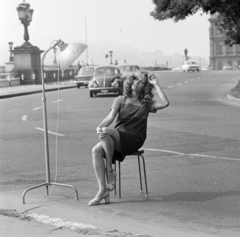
(139, 154)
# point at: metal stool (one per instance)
(139, 154)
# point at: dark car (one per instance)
(106, 79)
(128, 69)
(84, 76)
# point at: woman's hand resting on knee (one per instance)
(101, 134)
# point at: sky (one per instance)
(122, 21)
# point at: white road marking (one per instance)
(13, 110)
(56, 101)
(57, 134)
(192, 79)
(37, 108)
(186, 82)
(24, 118)
(170, 86)
(179, 84)
(197, 155)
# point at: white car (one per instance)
(190, 66)
(128, 69)
(227, 67)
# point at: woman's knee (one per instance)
(114, 134)
(97, 150)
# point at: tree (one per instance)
(228, 12)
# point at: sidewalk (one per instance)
(62, 215)
(8, 92)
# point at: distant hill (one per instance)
(98, 49)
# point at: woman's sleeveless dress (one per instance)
(131, 124)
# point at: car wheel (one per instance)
(86, 86)
(91, 93)
(78, 86)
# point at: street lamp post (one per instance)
(33, 63)
(10, 49)
(110, 54)
(25, 16)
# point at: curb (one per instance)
(229, 98)
(34, 92)
(60, 223)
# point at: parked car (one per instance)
(227, 67)
(205, 68)
(128, 69)
(177, 69)
(190, 66)
(106, 79)
(84, 76)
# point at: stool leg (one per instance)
(140, 175)
(115, 168)
(119, 174)
(145, 175)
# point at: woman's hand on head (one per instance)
(152, 79)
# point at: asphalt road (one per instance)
(192, 152)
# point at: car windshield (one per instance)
(106, 71)
(86, 71)
(128, 68)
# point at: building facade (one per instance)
(220, 54)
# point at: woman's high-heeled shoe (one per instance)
(95, 201)
(112, 185)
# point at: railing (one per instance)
(49, 75)
(8, 74)
(16, 78)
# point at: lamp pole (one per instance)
(71, 53)
(10, 49)
(25, 16)
(110, 54)
(54, 60)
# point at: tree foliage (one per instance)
(228, 14)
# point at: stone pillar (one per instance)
(27, 61)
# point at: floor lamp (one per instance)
(69, 53)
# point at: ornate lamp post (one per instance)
(10, 49)
(110, 54)
(25, 16)
(31, 68)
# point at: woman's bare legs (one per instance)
(105, 148)
(100, 171)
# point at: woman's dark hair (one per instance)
(146, 94)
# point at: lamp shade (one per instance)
(70, 54)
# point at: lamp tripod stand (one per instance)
(70, 56)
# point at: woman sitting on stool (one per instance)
(130, 130)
